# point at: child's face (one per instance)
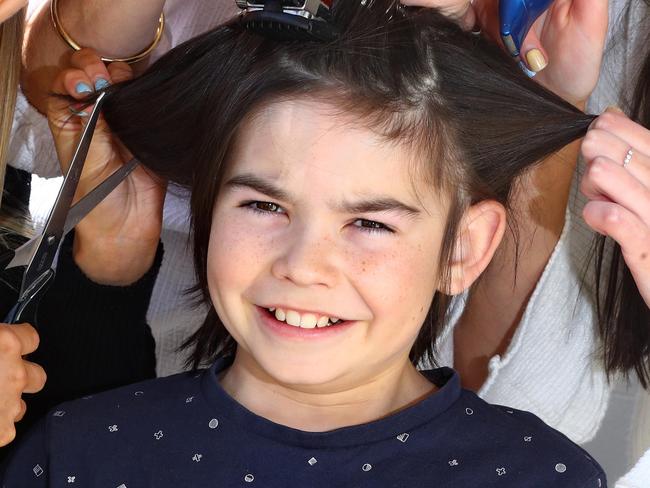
(301, 225)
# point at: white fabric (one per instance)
(550, 367)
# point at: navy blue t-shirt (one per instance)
(186, 431)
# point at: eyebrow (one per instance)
(372, 205)
(258, 184)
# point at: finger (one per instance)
(615, 121)
(21, 413)
(36, 377)
(605, 177)
(532, 51)
(451, 8)
(18, 340)
(631, 234)
(91, 63)
(603, 143)
(7, 433)
(120, 72)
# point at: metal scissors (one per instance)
(38, 254)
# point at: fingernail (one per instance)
(82, 87)
(75, 111)
(101, 84)
(536, 60)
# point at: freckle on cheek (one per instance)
(643, 256)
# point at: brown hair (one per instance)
(411, 74)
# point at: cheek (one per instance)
(399, 282)
(234, 253)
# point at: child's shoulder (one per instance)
(520, 443)
(159, 397)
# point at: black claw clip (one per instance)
(289, 20)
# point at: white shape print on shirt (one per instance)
(249, 478)
(197, 457)
(312, 461)
(158, 435)
(71, 479)
(403, 437)
(58, 413)
(560, 468)
(453, 462)
(501, 471)
(366, 467)
(112, 428)
(213, 424)
(37, 470)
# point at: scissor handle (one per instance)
(15, 315)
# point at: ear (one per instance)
(479, 235)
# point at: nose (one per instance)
(308, 258)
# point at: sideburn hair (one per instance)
(409, 73)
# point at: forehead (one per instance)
(301, 141)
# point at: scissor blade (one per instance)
(80, 209)
(52, 234)
(23, 254)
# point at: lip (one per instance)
(285, 330)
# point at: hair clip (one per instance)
(289, 20)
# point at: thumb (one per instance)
(532, 52)
(68, 118)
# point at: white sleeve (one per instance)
(31, 147)
(639, 476)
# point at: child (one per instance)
(342, 192)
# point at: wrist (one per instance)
(94, 24)
(114, 262)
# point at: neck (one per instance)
(323, 408)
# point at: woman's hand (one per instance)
(116, 243)
(565, 46)
(617, 184)
(17, 376)
(459, 10)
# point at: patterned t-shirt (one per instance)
(186, 431)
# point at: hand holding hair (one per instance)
(116, 243)
(17, 376)
(617, 184)
(564, 46)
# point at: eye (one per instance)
(263, 207)
(372, 226)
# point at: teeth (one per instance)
(293, 318)
(323, 321)
(308, 321)
(305, 321)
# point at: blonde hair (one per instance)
(11, 36)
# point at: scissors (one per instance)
(516, 18)
(38, 254)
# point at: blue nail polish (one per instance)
(101, 84)
(82, 87)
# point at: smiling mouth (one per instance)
(303, 320)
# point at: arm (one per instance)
(93, 337)
(573, 35)
(113, 27)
